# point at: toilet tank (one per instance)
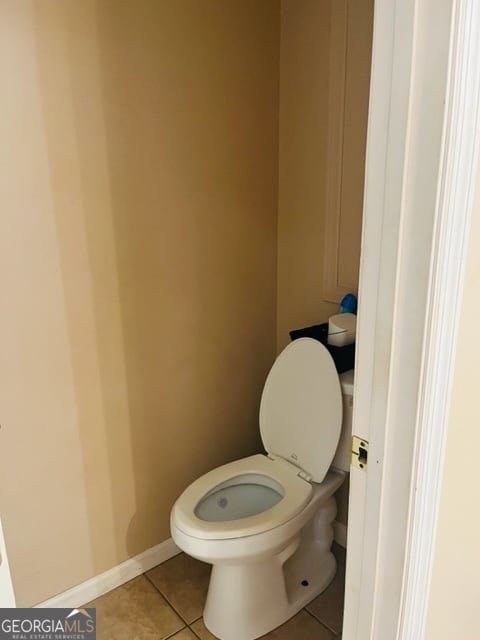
(344, 449)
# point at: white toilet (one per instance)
(265, 522)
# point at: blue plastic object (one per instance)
(348, 304)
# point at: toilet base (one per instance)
(246, 601)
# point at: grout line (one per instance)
(324, 624)
(172, 635)
(193, 631)
(185, 622)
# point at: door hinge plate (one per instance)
(359, 452)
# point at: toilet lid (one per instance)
(301, 407)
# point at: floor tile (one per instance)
(184, 583)
(135, 611)
(301, 627)
(328, 606)
(201, 630)
(184, 634)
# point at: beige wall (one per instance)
(138, 190)
(304, 68)
(320, 170)
(455, 592)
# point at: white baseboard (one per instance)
(340, 534)
(116, 576)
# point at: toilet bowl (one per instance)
(265, 522)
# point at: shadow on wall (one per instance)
(161, 126)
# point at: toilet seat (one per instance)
(296, 493)
(301, 407)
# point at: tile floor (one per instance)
(167, 602)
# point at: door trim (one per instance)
(384, 177)
(458, 172)
(420, 169)
(7, 594)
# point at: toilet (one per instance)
(265, 522)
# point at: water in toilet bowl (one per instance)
(240, 500)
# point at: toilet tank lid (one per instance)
(301, 407)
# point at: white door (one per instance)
(7, 597)
(423, 109)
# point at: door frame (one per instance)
(411, 281)
(7, 595)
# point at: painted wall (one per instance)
(304, 68)
(138, 189)
(308, 29)
(455, 595)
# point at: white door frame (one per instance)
(422, 156)
(7, 595)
